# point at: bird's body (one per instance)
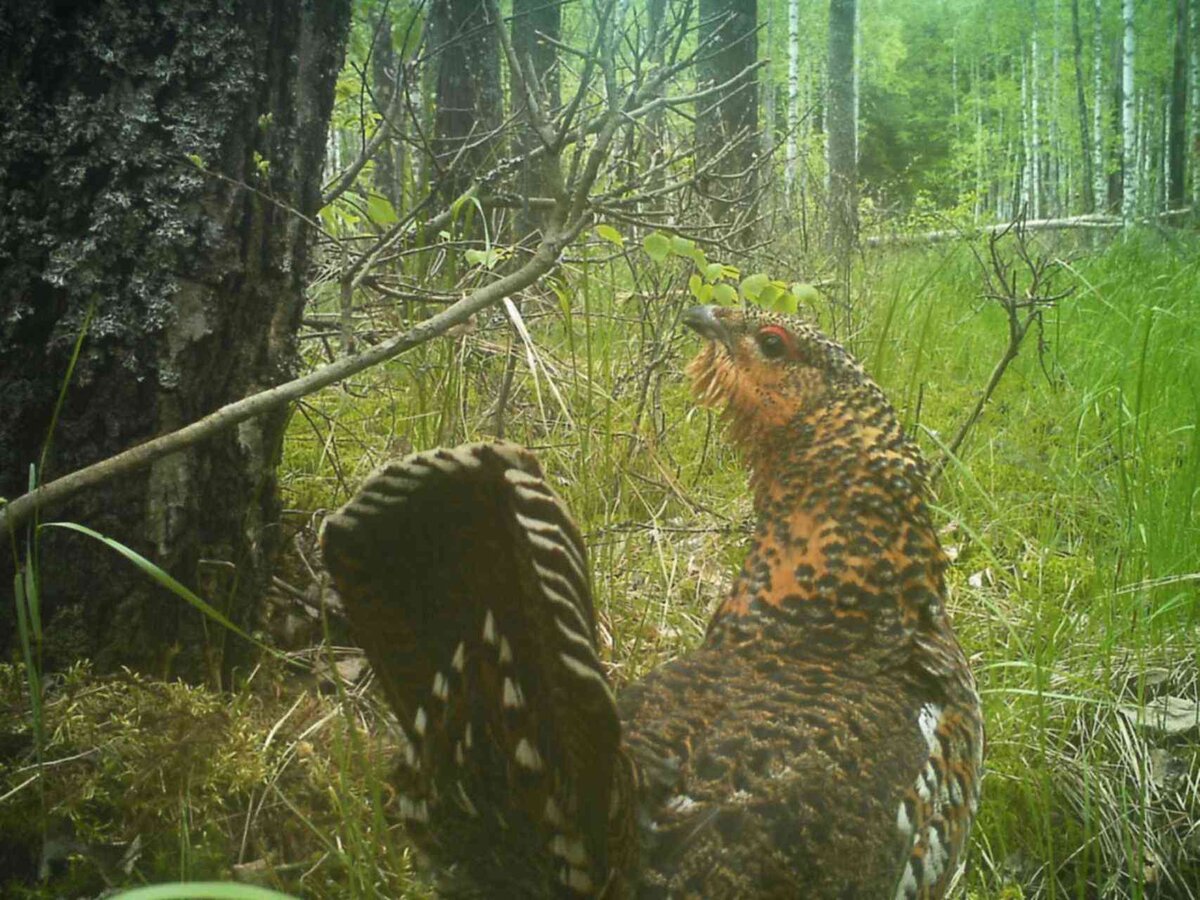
(824, 741)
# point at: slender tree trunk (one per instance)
(1035, 122)
(1027, 176)
(1100, 183)
(385, 81)
(729, 124)
(1085, 136)
(1177, 138)
(193, 283)
(843, 176)
(655, 127)
(540, 60)
(767, 87)
(1129, 184)
(793, 104)
(980, 188)
(857, 70)
(1054, 155)
(1194, 103)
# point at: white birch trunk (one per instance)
(793, 95)
(1128, 119)
(1035, 119)
(1159, 201)
(1027, 142)
(954, 86)
(1054, 156)
(979, 186)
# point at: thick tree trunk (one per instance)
(539, 59)
(470, 96)
(194, 284)
(843, 176)
(1177, 115)
(1085, 135)
(727, 125)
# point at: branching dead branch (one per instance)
(1020, 280)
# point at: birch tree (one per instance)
(1129, 160)
(793, 95)
(1085, 136)
(843, 175)
(1177, 118)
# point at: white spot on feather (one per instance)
(441, 687)
(527, 756)
(512, 695)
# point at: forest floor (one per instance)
(1070, 513)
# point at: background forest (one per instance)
(394, 224)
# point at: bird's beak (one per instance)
(703, 320)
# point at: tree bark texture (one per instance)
(1085, 135)
(1129, 120)
(1100, 186)
(539, 58)
(1194, 104)
(843, 177)
(470, 95)
(728, 123)
(793, 96)
(385, 81)
(194, 285)
(1177, 111)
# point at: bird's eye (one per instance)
(772, 344)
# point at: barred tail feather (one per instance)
(466, 582)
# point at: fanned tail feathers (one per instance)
(466, 582)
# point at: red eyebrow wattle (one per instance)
(778, 330)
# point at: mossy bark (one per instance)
(193, 279)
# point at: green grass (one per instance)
(1071, 511)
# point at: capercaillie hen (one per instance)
(824, 741)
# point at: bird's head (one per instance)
(768, 370)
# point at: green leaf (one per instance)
(714, 272)
(770, 293)
(381, 211)
(486, 258)
(805, 293)
(752, 285)
(777, 298)
(725, 294)
(682, 246)
(657, 246)
(695, 283)
(195, 160)
(705, 294)
(610, 234)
